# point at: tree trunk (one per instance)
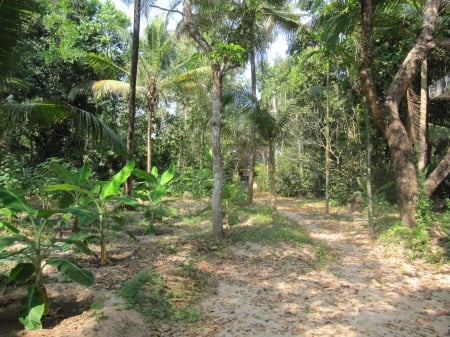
(251, 149)
(370, 217)
(327, 146)
(421, 144)
(271, 172)
(151, 104)
(438, 175)
(219, 68)
(216, 121)
(385, 112)
(133, 78)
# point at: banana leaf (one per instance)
(112, 187)
(72, 270)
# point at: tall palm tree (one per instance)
(262, 18)
(157, 72)
(132, 98)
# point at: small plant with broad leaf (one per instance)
(153, 187)
(27, 238)
(231, 194)
(92, 202)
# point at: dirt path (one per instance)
(366, 291)
(267, 291)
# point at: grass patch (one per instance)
(146, 293)
(160, 298)
(273, 229)
(270, 229)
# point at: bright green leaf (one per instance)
(32, 309)
(112, 187)
(167, 176)
(148, 177)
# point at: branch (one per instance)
(167, 9)
(193, 30)
(416, 55)
(438, 175)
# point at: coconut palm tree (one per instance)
(262, 19)
(157, 72)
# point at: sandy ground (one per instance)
(366, 291)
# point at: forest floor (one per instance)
(360, 288)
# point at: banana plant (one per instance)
(33, 249)
(98, 196)
(154, 187)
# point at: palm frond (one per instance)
(100, 89)
(48, 113)
(105, 67)
(13, 15)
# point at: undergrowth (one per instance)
(428, 240)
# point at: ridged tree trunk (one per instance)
(219, 68)
(133, 79)
(271, 167)
(151, 104)
(251, 148)
(386, 110)
(327, 145)
(216, 121)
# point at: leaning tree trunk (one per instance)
(438, 175)
(385, 110)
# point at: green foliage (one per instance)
(232, 194)
(419, 241)
(155, 185)
(151, 190)
(97, 194)
(198, 182)
(227, 51)
(32, 309)
(27, 237)
(16, 175)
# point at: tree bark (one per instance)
(327, 145)
(385, 109)
(216, 121)
(133, 79)
(271, 172)
(421, 146)
(218, 71)
(151, 103)
(438, 175)
(251, 157)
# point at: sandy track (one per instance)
(365, 291)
